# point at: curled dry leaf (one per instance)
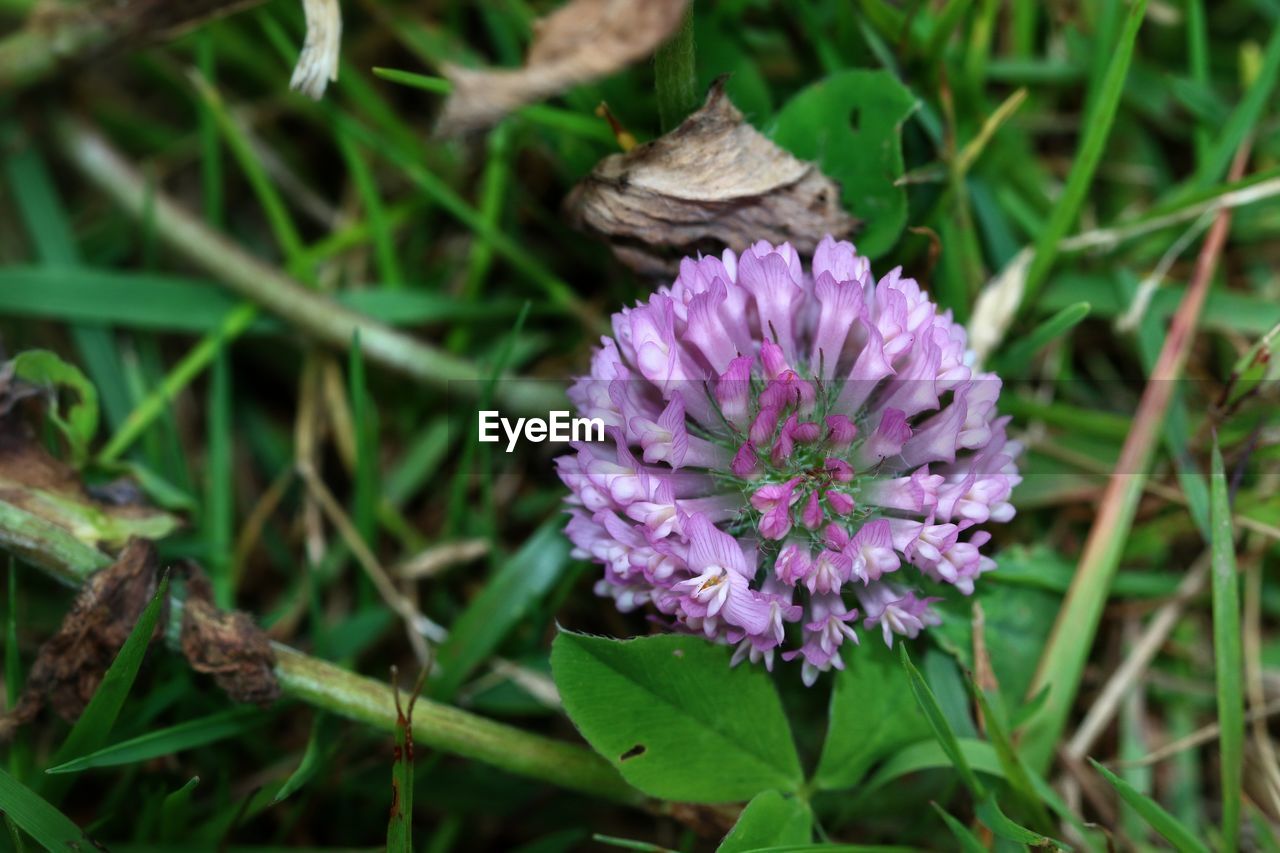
(579, 42)
(714, 181)
(70, 665)
(227, 645)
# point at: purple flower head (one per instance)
(789, 455)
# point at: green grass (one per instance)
(245, 240)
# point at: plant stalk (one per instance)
(327, 686)
(312, 313)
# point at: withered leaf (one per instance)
(227, 645)
(579, 42)
(714, 181)
(38, 485)
(70, 665)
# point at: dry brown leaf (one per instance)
(579, 42)
(714, 181)
(227, 645)
(70, 665)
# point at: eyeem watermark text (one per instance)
(558, 426)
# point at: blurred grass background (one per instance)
(228, 408)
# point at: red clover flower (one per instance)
(787, 447)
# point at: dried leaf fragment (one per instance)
(318, 63)
(714, 181)
(579, 42)
(70, 665)
(227, 645)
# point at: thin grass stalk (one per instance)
(309, 312)
(1062, 663)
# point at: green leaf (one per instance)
(851, 124)
(141, 300)
(929, 755)
(675, 719)
(770, 819)
(1151, 811)
(90, 732)
(968, 841)
(1019, 354)
(175, 811)
(1014, 770)
(1227, 654)
(941, 728)
(1093, 142)
(522, 582)
(1017, 622)
(992, 818)
(183, 736)
(15, 835)
(318, 748)
(873, 714)
(38, 818)
(78, 426)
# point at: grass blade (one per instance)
(219, 511)
(992, 818)
(400, 825)
(154, 744)
(175, 811)
(316, 753)
(1159, 819)
(36, 817)
(941, 728)
(1097, 128)
(1014, 770)
(969, 843)
(1018, 356)
(1243, 119)
(364, 424)
(1227, 653)
(518, 585)
(20, 748)
(90, 732)
(675, 77)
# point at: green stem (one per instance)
(676, 76)
(328, 686)
(183, 373)
(450, 729)
(312, 313)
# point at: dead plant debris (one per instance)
(579, 42)
(227, 645)
(70, 665)
(713, 182)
